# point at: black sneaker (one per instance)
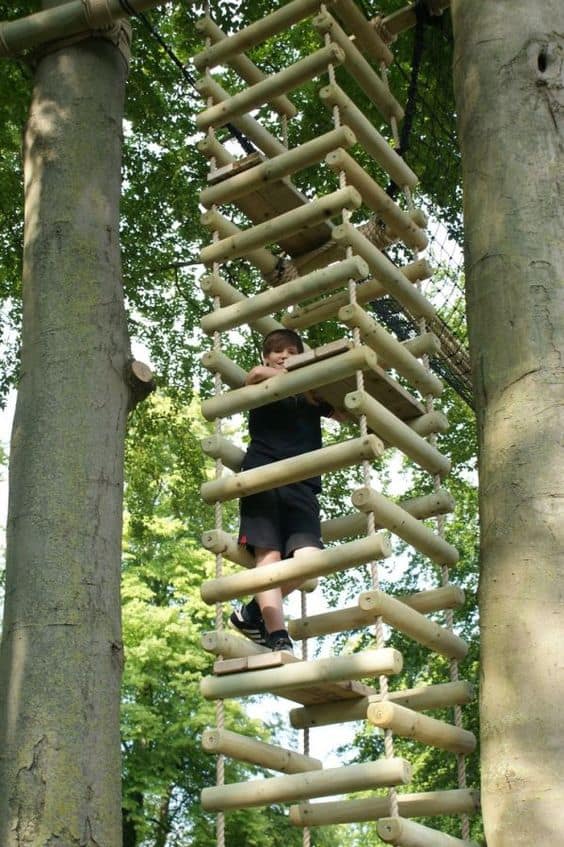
(280, 640)
(247, 620)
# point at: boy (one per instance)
(279, 523)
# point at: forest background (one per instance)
(163, 565)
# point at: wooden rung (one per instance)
(248, 240)
(359, 68)
(316, 563)
(390, 350)
(215, 286)
(240, 184)
(223, 643)
(458, 801)
(214, 149)
(220, 542)
(366, 36)
(286, 789)
(430, 423)
(419, 699)
(373, 605)
(404, 833)
(422, 728)
(255, 33)
(389, 275)
(397, 433)
(406, 18)
(272, 86)
(261, 258)
(249, 309)
(287, 471)
(245, 749)
(427, 344)
(369, 663)
(435, 599)
(289, 384)
(327, 308)
(246, 69)
(219, 176)
(230, 372)
(426, 506)
(251, 128)
(374, 143)
(400, 522)
(416, 626)
(376, 199)
(220, 448)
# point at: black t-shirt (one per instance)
(284, 429)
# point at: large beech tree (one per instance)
(509, 84)
(61, 652)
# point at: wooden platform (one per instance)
(327, 692)
(377, 383)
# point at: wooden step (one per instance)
(404, 833)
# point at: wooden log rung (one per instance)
(439, 502)
(376, 604)
(252, 129)
(410, 724)
(245, 749)
(387, 348)
(219, 447)
(245, 242)
(321, 310)
(458, 801)
(246, 69)
(255, 33)
(405, 833)
(419, 699)
(359, 68)
(260, 174)
(284, 789)
(289, 384)
(260, 257)
(369, 663)
(287, 471)
(272, 86)
(391, 277)
(266, 302)
(313, 564)
(366, 36)
(395, 432)
(373, 143)
(231, 373)
(377, 200)
(216, 286)
(400, 522)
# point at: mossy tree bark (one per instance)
(509, 82)
(61, 654)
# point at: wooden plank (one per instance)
(236, 167)
(379, 385)
(325, 351)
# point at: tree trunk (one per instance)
(509, 82)
(61, 653)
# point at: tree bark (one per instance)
(61, 652)
(509, 83)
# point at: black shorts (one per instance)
(283, 519)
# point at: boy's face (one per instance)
(277, 358)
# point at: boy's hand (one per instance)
(262, 372)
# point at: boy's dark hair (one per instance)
(278, 338)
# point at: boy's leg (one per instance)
(270, 601)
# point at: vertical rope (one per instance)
(306, 834)
(218, 511)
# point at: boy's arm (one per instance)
(262, 372)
